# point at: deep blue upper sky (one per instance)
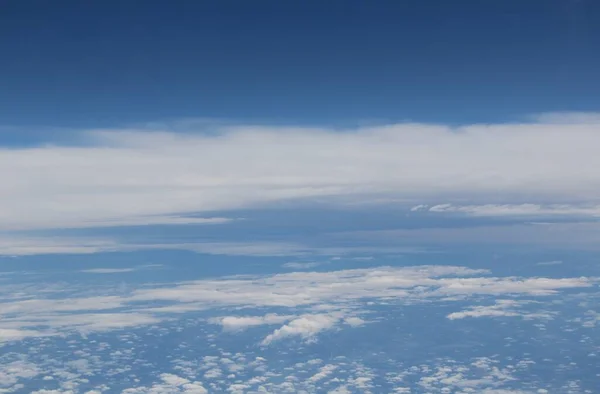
(107, 63)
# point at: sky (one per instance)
(305, 197)
(113, 63)
(216, 107)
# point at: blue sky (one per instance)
(114, 63)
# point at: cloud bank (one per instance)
(130, 177)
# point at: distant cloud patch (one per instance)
(552, 262)
(107, 270)
(512, 209)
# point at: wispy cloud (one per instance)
(120, 270)
(298, 265)
(552, 262)
(512, 209)
(107, 270)
(34, 245)
(502, 308)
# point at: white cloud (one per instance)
(173, 380)
(107, 270)
(340, 390)
(15, 334)
(334, 297)
(120, 270)
(236, 323)
(552, 262)
(305, 327)
(354, 321)
(590, 319)
(309, 288)
(10, 373)
(482, 376)
(23, 245)
(324, 372)
(513, 209)
(241, 370)
(132, 177)
(301, 265)
(171, 384)
(27, 245)
(502, 308)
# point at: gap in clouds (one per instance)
(316, 228)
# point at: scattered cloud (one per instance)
(10, 373)
(312, 302)
(170, 384)
(103, 367)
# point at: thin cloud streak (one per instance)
(493, 210)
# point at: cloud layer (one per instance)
(137, 177)
(313, 301)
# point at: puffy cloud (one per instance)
(10, 373)
(171, 384)
(324, 372)
(236, 323)
(138, 177)
(305, 327)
